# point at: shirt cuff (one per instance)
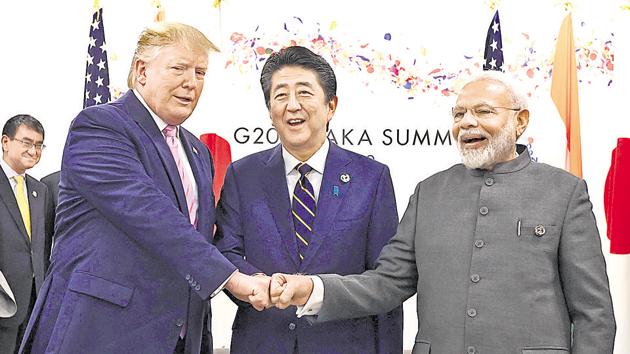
(315, 301)
(220, 288)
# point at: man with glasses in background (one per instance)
(503, 252)
(26, 215)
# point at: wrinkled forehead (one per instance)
(484, 91)
(181, 51)
(294, 75)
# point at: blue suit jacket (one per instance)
(128, 268)
(255, 231)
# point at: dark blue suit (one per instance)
(351, 226)
(128, 268)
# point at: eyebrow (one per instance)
(475, 105)
(31, 140)
(299, 83)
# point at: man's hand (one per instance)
(287, 290)
(252, 289)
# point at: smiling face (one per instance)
(171, 82)
(299, 110)
(486, 124)
(16, 155)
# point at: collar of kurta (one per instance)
(520, 162)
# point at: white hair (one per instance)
(500, 147)
(519, 99)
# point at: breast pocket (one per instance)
(100, 288)
(540, 235)
(346, 224)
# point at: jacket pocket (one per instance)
(545, 350)
(347, 224)
(421, 347)
(92, 285)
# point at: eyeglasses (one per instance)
(28, 145)
(479, 111)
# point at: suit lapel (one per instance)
(203, 192)
(8, 197)
(331, 196)
(274, 181)
(36, 200)
(140, 114)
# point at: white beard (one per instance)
(500, 147)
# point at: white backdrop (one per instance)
(399, 64)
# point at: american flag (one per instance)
(96, 70)
(493, 54)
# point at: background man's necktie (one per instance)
(20, 196)
(304, 209)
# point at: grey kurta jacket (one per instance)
(503, 261)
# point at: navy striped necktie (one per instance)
(304, 209)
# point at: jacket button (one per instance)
(193, 284)
(483, 210)
(197, 287)
(489, 181)
(291, 326)
(471, 312)
(179, 322)
(475, 278)
(187, 276)
(471, 350)
(479, 243)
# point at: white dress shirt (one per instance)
(187, 169)
(10, 175)
(180, 149)
(317, 163)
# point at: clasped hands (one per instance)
(263, 291)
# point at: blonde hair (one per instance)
(164, 34)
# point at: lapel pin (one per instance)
(345, 178)
(34, 194)
(539, 230)
(335, 191)
(195, 150)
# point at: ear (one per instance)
(140, 70)
(5, 141)
(522, 120)
(332, 107)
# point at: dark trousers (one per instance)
(11, 337)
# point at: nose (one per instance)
(468, 120)
(190, 80)
(293, 104)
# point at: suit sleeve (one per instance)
(393, 281)
(382, 226)
(103, 163)
(584, 279)
(230, 235)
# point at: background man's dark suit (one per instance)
(23, 262)
(52, 182)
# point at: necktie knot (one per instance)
(303, 168)
(19, 180)
(170, 131)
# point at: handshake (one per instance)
(263, 291)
